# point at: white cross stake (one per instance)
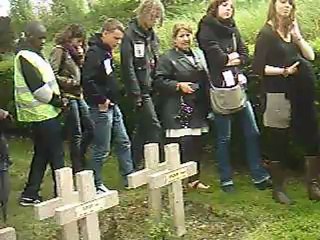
(66, 195)
(140, 178)
(86, 211)
(172, 177)
(8, 234)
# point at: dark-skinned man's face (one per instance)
(37, 37)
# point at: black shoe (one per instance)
(228, 188)
(266, 184)
(30, 201)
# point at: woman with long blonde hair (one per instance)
(282, 58)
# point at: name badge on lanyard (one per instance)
(108, 66)
(139, 49)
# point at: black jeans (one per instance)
(48, 149)
(277, 145)
(148, 129)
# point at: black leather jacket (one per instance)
(175, 67)
(139, 55)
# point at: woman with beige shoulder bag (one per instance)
(225, 53)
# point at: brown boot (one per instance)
(278, 179)
(312, 170)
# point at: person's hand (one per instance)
(234, 62)
(104, 106)
(3, 114)
(185, 87)
(291, 70)
(232, 56)
(138, 102)
(295, 32)
(64, 104)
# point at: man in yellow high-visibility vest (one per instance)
(38, 101)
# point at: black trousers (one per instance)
(277, 144)
(148, 130)
(48, 149)
(190, 150)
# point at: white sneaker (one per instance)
(101, 189)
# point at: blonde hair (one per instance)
(272, 16)
(181, 26)
(149, 8)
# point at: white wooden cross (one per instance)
(86, 211)
(140, 178)
(172, 177)
(66, 195)
(71, 206)
(8, 234)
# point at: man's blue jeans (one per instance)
(251, 134)
(80, 125)
(109, 125)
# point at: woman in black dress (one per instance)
(282, 59)
(181, 80)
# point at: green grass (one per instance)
(247, 214)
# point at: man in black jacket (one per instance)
(101, 93)
(139, 55)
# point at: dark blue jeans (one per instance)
(251, 134)
(110, 126)
(48, 149)
(80, 125)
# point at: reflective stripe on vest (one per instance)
(29, 109)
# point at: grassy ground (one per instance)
(248, 214)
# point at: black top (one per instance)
(272, 50)
(216, 40)
(139, 55)
(98, 77)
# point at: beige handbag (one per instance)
(227, 100)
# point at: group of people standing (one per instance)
(170, 94)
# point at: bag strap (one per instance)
(234, 42)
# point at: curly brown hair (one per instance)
(212, 9)
(70, 32)
(288, 23)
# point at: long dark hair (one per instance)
(212, 9)
(288, 23)
(70, 32)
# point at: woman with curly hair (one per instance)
(66, 60)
